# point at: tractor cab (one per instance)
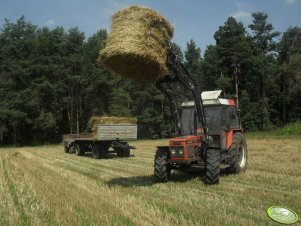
(220, 115)
(221, 119)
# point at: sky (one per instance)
(193, 19)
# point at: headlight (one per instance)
(177, 152)
(180, 152)
(173, 151)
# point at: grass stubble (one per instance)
(45, 186)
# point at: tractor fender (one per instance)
(229, 137)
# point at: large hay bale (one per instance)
(105, 120)
(136, 46)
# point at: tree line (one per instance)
(51, 83)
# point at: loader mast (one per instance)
(178, 73)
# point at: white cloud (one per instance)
(290, 2)
(241, 14)
(50, 22)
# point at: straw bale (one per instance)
(105, 120)
(136, 46)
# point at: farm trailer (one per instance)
(108, 138)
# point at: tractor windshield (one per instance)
(218, 117)
(188, 120)
(213, 120)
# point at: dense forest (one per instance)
(51, 83)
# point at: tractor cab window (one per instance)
(218, 118)
(213, 119)
(188, 120)
(222, 117)
(229, 118)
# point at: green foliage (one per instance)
(290, 78)
(45, 127)
(291, 129)
(51, 83)
(193, 61)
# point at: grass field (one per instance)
(45, 186)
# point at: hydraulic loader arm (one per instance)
(180, 74)
(167, 91)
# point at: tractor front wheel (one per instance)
(162, 168)
(213, 160)
(238, 154)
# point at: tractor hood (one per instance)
(190, 138)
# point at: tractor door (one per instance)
(229, 123)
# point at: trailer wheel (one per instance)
(99, 151)
(66, 149)
(162, 168)
(79, 149)
(123, 152)
(238, 154)
(213, 159)
(120, 152)
(127, 152)
(71, 148)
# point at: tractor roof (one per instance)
(211, 98)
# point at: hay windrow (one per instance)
(105, 120)
(136, 46)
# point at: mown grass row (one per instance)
(45, 186)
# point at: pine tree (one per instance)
(289, 59)
(264, 66)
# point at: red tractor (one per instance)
(208, 129)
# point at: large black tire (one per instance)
(79, 149)
(99, 151)
(127, 152)
(213, 159)
(119, 152)
(66, 149)
(162, 168)
(72, 149)
(238, 154)
(123, 152)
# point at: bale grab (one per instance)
(136, 46)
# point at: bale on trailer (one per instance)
(95, 121)
(136, 46)
(107, 132)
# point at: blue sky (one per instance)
(196, 19)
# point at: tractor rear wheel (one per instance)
(162, 168)
(238, 154)
(79, 149)
(213, 159)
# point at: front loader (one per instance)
(209, 133)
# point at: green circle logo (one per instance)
(282, 215)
